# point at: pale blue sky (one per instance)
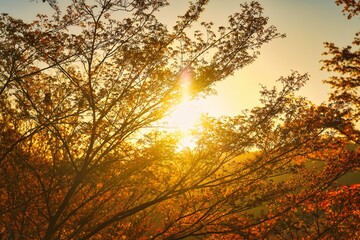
(307, 24)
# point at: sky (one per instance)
(307, 24)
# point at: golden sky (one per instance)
(307, 24)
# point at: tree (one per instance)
(333, 213)
(351, 7)
(80, 93)
(345, 63)
(53, 3)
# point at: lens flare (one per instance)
(187, 112)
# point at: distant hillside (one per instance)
(348, 179)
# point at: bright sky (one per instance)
(307, 24)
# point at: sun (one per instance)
(184, 117)
(186, 114)
(182, 120)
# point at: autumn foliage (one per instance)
(351, 8)
(81, 158)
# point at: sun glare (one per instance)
(186, 114)
(184, 117)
